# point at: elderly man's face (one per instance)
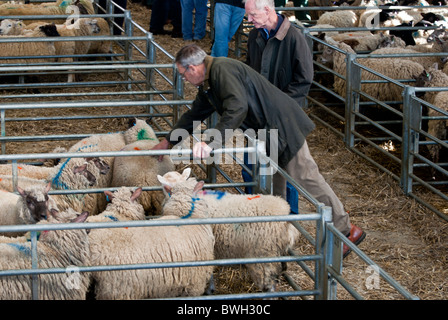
(193, 74)
(258, 17)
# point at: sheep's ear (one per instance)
(137, 192)
(167, 189)
(436, 66)
(21, 191)
(82, 217)
(162, 180)
(54, 213)
(109, 195)
(186, 173)
(198, 187)
(48, 187)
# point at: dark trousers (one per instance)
(161, 11)
(119, 20)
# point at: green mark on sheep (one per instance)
(143, 135)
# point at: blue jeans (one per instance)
(227, 19)
(200, 19)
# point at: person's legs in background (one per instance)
(200, 19)
(187, 19)
(227, 20)
(175, 14)
(159, 15)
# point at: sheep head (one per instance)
(36, 201)
(11, 27)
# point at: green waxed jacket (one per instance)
(245, 99)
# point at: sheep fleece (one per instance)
(150, 245)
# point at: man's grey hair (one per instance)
(260, 4)
(189, 55)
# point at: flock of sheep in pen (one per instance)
(182, 196)
(71, 27)
(422, 71)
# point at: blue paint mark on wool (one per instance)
(22, 248)
(188, 215)
(55, 182)
(219, 194)
(112, 218)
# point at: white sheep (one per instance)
(142, 171)
(339, 19)
(70, 174)
(366, 41)
(115, 246)
(60, 7)
(55, 249)
(123, 206)
(395, 68)
(28, 207)
(32, 49)
(82, 27)
(433, 77)
(11, 27)
(242, 240)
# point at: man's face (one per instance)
(193, 74)
(258, 17)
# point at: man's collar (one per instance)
(208, 64)
(279, 32)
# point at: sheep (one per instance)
(122, 206)
(60, 7)
(28, 207)
(42, 172)
(242, 240)
(139, 130)
(70, 174)
(388, 17)
(433, 77)
(36, 49)
(55, 249)
(395, 68)
(136, 245)
(366, 41)
(11, 27)
(339, 19)
(142, 171)
(82, 27)
(426, 61)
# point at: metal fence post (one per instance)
(412, 116)
(352, 86)
(322, 280)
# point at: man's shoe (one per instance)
(356, 236)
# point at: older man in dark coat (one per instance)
(245, 99)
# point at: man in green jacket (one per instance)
(245, 99)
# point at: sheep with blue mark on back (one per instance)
(55, 249)
(69, 174)
(243, 240)
(137, 245)
(122, 206)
